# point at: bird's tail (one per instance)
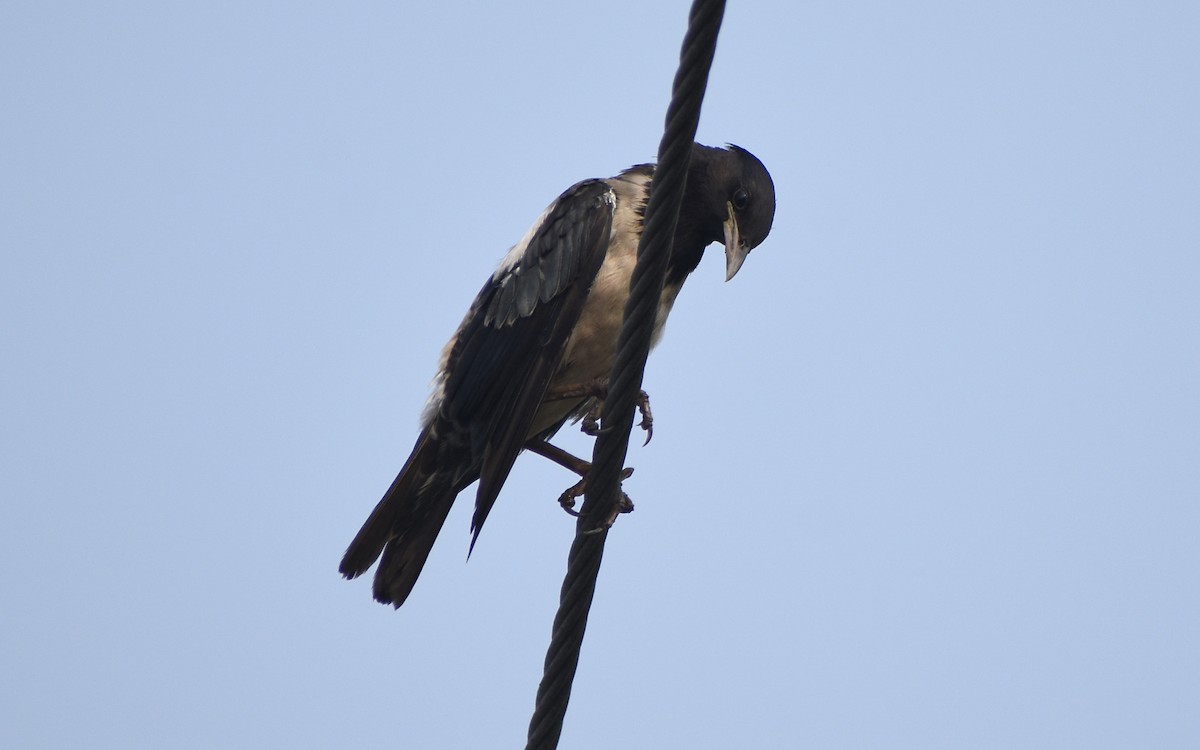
(407, 520)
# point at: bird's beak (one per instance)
(735, 251)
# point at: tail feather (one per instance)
(405, 555)
(379, 527)
(407, 520)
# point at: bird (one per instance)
(538, 341)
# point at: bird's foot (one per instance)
(598, 389)
(590, 425)
(591, 421)
(624, 505)
(647, 423)
(564, 459)
(567, 499)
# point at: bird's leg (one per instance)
(598, 389)
(559, 456)
(579, 466)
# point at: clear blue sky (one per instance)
(925, 475)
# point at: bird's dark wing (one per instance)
(511, 343)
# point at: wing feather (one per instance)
(511, 343)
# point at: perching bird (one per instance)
(538, 341)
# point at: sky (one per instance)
(926, 474)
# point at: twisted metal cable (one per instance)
(608, 457)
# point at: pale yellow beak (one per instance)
(735, 251)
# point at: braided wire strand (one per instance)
(603, 481)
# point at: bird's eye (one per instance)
(741, 198)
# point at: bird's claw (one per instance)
(647, 423)
(567, 499)
(624, 505)
(590, 424)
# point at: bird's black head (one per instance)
(737, 197)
